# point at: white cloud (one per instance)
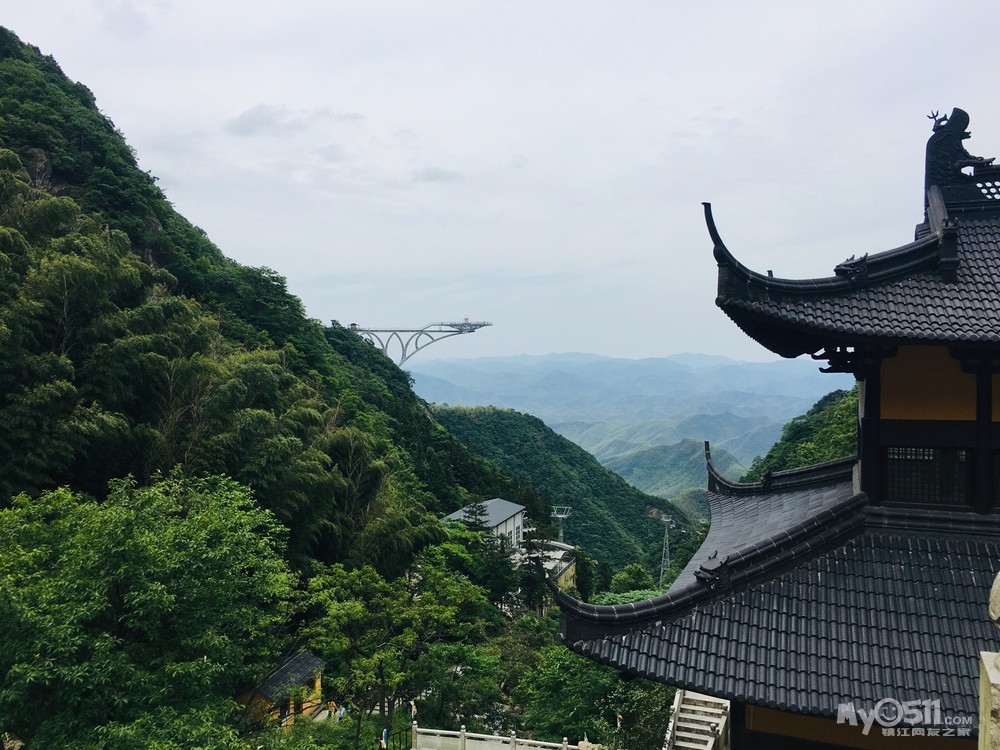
(437, 174)
(276, 120)
(125, 19)
(265, 119)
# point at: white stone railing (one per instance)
(446, 739)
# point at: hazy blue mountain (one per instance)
(613, 406)
(741, 436)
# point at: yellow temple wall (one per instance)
(926, 382)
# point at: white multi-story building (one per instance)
(506, 520)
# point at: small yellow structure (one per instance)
(291, 689)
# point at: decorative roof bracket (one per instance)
(857, 360)
(855, 269)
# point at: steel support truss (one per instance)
(412, 340)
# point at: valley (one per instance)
(644, 419)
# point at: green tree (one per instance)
(631, 578)
(826, 432)
(569, 696)
(604, 575)
(519, 647)
(532, 590)
(372, 631)
(585, 573)
(160, 601)
(483, 559)
(460, 684)
(476, 516)
(169, 728)
(563, 697)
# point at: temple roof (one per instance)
(904, 298)
(940, 288)
(795, 503)
(297, 670)
(803, 597)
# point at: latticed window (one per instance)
(927, 476)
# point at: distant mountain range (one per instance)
(614, 407)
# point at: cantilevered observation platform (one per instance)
(412, 340)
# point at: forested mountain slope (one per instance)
(610, 518)
(828, 431)
(671, 471)
(132, 345)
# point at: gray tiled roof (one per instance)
(884, 615)
(902, 295)
(296, 671)
(739, 518)
(822, 600)
(498, 510)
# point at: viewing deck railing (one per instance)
(422, 738)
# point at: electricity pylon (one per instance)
(562, 513)
(665, 557)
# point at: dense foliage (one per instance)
(196, 479)
(826, 432)
(160, 601)
(580, 698)
(612, 519)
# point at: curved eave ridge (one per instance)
(829, 472)
(918, 255)
(955, 300)
(751, 535)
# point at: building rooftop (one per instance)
(940, 288)
(803, 596)
(498, 510)
(918, 307)
(294, 672)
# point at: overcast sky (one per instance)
(539, 165)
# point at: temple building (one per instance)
(845, 605)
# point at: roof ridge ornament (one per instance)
(855, 269)
(947, 158)
(713, 571)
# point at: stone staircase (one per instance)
(698, 722)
